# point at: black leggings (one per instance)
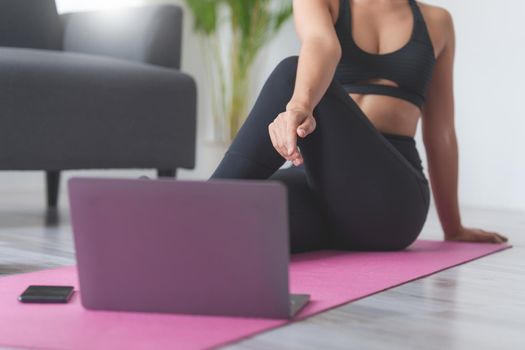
(358, 188)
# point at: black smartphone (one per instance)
(46, 294)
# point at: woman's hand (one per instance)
(285, 128)
(476, 235)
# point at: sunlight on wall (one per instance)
(86, 5)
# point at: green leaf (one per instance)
(205, 15)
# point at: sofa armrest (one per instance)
(62, 110)
(147, 34)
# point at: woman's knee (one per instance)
(289, 63)
(286, 68)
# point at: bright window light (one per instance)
(87, 5)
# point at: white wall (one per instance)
(489, 91)
(488, 88)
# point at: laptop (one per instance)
(217, 247)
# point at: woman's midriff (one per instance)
(389, 114)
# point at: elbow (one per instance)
(335, 52)
(338, 53)
(437, 140)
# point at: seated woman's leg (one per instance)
(308, 228)
(374, 199)
(251, 154)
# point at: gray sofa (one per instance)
(93, 91)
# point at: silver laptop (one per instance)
(217, 247)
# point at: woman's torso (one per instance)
(383, 29)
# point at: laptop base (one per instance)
(297, 302)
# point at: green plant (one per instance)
(251, 24)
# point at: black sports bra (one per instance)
(410, 66)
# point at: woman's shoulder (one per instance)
(437, 15)
(439, 23)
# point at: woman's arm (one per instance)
(318, 58)
(439, 137)
(319, 55)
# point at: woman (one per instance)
(345, 112)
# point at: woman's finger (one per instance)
(270, 132)
(290, 137)
(503, 238)
(487, 237)
(279, 139)
(307, 127)
(297, 156)
(284, 135)
(298, 161)
(294, 155)
(496, 239)
(494, 236)
(272, 136)
(275, 138)
(280, 132)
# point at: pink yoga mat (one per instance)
(331, 277)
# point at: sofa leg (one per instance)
(167, 173)
(52, 186)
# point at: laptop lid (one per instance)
(200, 247)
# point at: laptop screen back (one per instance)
(200, 247)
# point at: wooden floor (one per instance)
(479, 305)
